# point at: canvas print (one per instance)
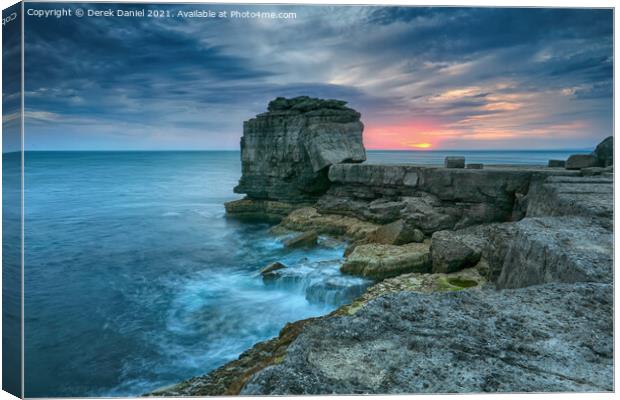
(232, 199)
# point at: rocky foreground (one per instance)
(489, 278)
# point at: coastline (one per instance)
(497, 272)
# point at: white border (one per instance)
(479, 3)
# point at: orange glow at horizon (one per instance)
(421, 145)
(478, 130)
(419, 135)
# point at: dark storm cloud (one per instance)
(580, 40)
(80, 57)
(173, 83)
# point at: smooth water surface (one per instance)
(437, 157)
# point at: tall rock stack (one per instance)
(286, 152)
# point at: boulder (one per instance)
(385, 210)
(556, 163)
(380, 261)
(309, 219)
(382, 210)
(427, 214)
(604, 152)
(397, 232)
(475, 166)
(579, 161)
(451, 252)
(306, 239)
(268, 271)
(287, 151)
(454, 162)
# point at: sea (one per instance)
(136, 279)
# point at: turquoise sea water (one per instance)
(135, 279)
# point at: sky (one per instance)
(11, 72)
(423, 78)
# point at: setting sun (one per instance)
(421, 145)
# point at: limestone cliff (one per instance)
(286, 152)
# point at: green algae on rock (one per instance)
(470, 278)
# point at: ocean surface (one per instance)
(135, 279)
(436, 157)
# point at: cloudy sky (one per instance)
(11, 71)
(444, 78)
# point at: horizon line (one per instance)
(237, 150)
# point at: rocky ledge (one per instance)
(432, 198)
(488, 279)
(550, 338)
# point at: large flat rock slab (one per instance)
(504, 178)
(590, 197)
(550, 249)
(549, 338)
